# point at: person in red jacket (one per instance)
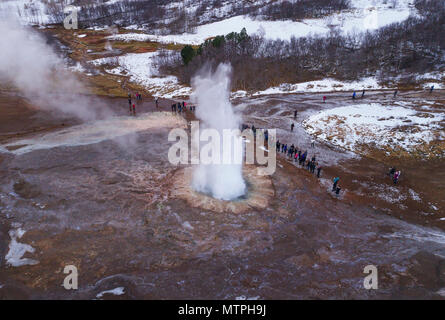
(134, 109)
(324, 99)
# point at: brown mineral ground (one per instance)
(125, 217)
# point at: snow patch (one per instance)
(116, 291)
(187, 225)
(17, 250)
(374, 124)
(366, 15)
(414, 195)
(325, 85)
(141, 69)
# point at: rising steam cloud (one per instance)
(40, 74)
(211, 94)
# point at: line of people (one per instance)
(296, 155)
(254, 130)
(293, 153)
(131, 106)
(182, 107)
(354, 94)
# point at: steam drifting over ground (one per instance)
(30, 64)
(212, 95)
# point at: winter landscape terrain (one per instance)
(358, 84)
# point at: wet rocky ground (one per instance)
(110, 209)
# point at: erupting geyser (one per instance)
(212, 95)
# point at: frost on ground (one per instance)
(141, 69)
(17, 250)
(358, 127)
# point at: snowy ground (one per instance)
(116, 291)
(141, 69)
(26, 11)
(373, 124)
(17, 250)
(325, 85)
(366, 15)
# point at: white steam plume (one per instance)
(211, 94)
(40, 74)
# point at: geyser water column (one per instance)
(211, 93)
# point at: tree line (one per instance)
(402, 49)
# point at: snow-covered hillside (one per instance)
(26, 11)
(363, 15)
(141, 69)
(212, 18)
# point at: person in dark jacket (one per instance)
(391, 171)
(337, 190)
(318, 171)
